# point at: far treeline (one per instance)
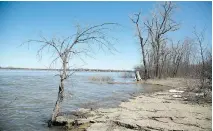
(76, 70)
(161, 56)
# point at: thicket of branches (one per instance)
(163, 57)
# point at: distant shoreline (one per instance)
(78, 70)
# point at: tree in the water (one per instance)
(66, 48)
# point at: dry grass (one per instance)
(192, 88)
(172, 82)
(102, 79)
(127, 75)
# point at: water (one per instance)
(27, 97)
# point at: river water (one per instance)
(27, 97)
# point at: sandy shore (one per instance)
(150, 111)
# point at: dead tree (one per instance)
(208, 67)
(65, 49)
(177, 56)
(161, 24)
(142, 42)
(164, 56)
(186, 60)
(199, 39)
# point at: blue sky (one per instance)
(21, 21)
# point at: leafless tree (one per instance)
(164, 57)
(161, 24)
(186, 58)
(177, 55)
(208, 67)
(199, 39)
(150, 59)
(142, 41)
(67, 48)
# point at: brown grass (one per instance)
(102, 79)
(127, 75)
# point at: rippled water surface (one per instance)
(27, 97)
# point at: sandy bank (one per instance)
(155, 111)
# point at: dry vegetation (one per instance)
(163, 57)
(127, 75)
(102, 79)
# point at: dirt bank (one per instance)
(163, 110)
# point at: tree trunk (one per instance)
(162, 66)
(144, 63)
(58, 102)
(60, 92)
(203, 66)
(177, 67)
(143, 52)
(157, 65)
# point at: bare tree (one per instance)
(177, 55)
(164, 56)
(67, 48)
(186, 59)
(161, 24)
(149, 62)
(208, 67)
(199, 39)
(142, 42)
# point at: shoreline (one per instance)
(75, 70)
(146, 111)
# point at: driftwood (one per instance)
(137, 75)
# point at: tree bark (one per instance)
(144, 63)
(60, 92)
(143, 52)
(58, 102)
(157, 63)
